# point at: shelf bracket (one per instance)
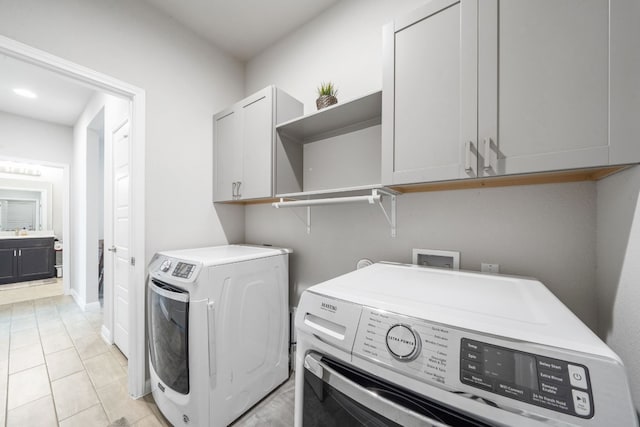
(306, 221)
(390, 216)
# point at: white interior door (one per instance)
(120, 249)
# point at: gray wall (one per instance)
(36, 140)
(186, 81)
(618, 260)
(544, 231)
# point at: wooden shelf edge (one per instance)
(576, 175)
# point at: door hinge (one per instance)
(133, 261)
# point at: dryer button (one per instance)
(577, 376)
(581, 402)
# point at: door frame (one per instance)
(105, 83)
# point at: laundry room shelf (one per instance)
(338, 119)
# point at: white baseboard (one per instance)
(77, 299)
(92, 306)
(106, 335)
(84, 306)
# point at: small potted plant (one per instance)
(326, 95)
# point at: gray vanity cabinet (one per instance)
(23, 259)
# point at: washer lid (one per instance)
(220, 255)
(519, 308)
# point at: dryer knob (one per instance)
(403, 342)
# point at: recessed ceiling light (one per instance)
(25, 92)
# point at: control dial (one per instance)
(403, 342)
(165, 266)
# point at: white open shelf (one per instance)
(335, 120)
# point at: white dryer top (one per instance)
(519, 308)
(220, 255)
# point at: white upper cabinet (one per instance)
(481, 88)
(543, 85)
(244, 145)
(429, 93)
(227, 154)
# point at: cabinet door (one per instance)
(35, 263)
(227, 154)
(430, 94)
(543, 85)
(8, 265)
(257, 158)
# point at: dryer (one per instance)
(218, 330)
(394, 344)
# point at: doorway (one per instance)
(32, 196)
(134, 272)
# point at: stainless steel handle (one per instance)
(487, 154)
(382, 406)
(176, 296)
(113, 249)
(19, 252)
(239, 194)
(233, 190)
(15, 253)
(467, 157)
(211, 314)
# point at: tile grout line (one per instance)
(6, 398)
(46, 366)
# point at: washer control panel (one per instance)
(183, 270)
(411, 346)
(550, 383)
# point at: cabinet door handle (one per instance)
(238, 187)
(467, 157)
(19, 252)
(15, 253)
(112, 249)
(487, 154)
(233, 190)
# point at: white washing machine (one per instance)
(394, 344)
(218, 329)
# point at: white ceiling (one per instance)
(60, 99)
(242, 27)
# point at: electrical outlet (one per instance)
(490, 268)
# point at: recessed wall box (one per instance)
(437, 258)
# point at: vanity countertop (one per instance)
(28, 236)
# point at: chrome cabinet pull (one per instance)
(487, 154)
(19, 252)
(233, 190)
(15, 253)
(112, 249)
(467, 157)
(239, 194)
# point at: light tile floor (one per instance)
(55, 369)
(26, 291)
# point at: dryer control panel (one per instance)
(444, 355)
(550, 383)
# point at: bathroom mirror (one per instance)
(25, 205)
